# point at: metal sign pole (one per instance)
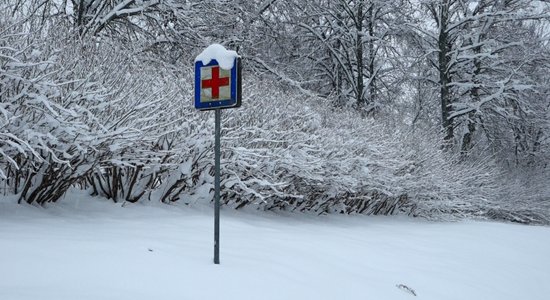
(217, 88)
(217, 188)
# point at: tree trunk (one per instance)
(474, 93)
(445, 95)
(359, 54)
(372, 54)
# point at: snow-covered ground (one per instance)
(92, 249)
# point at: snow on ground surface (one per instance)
(93, 249)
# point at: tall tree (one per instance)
(475, 50)
(346, 48)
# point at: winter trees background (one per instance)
(434, 108)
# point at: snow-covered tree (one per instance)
(477, 55)
(347, 48)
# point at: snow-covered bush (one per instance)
(285, 151)
(524, 198)
(140, 116)
(43, 141)
(75, 109)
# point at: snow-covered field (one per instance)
(92, 249)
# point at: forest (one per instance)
(430, 108)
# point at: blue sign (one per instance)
(216, 87)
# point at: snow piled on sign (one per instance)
(224, 57)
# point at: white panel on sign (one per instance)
(215, 84)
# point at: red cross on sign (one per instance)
(215, 84)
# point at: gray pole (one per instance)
(217, 188)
